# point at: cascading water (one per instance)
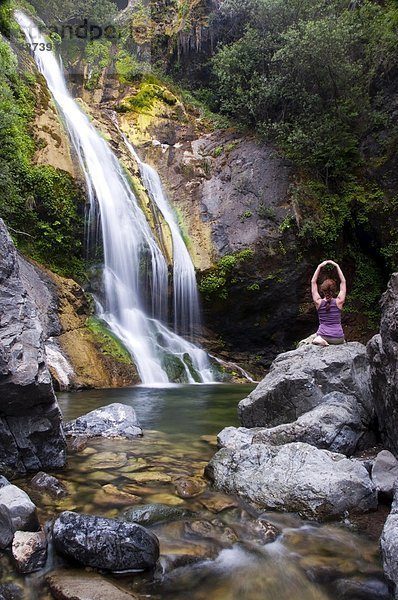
(134, 267)
(186, 301)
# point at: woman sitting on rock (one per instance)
(329, 306)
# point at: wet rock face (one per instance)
(383, 355)
(105, 543)
(299, 381)
(31, 437)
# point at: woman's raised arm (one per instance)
(314, 284)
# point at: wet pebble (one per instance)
(148, 476)
(110, 495)
(218, 503)
(215, 530)
(134, 464)
(106, 460)
(189, 488)
(164, 498)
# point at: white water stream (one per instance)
(135, 274)
(186, 300)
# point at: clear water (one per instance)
(219, 552)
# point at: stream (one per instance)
(220, 548)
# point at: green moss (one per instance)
(107, 341)
(147, 95)
(127, 68)
(245, 215)
(216, 283)
(41, 205)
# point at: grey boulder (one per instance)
(339, 424)
(17, 511)
(113, 421)
(299, 380)
(105, 543)
(295, 477)
(385, 472)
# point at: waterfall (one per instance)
(186, 301)
(135, 273)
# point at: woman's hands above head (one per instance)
(328, 262)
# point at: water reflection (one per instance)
(187, 409)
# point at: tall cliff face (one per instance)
(31, 436)
(383, 354)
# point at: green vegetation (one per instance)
(216, 283)
(127, 67)
(148, 93)
(316, 79)
(98, 57)
(40, 204)
(300, 74)
(245, 215)
(109, 344)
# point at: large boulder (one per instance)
(115, 420)
(339, 424)
(296, 478)
(105, 543)
(385, 472)
(383, 355)
(31, 436)
(299, 380)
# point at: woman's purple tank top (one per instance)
(330, 320)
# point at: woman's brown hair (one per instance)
(328, 290)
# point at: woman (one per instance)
(329, 307)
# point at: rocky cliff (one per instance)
(383, 353)
(31, 436)
(232, 198)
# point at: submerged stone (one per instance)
(149, 514)
(105, 460)
(189, 487)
